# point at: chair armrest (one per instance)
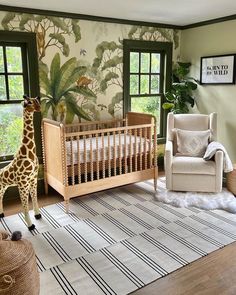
(168, 163)
(219, 170)
(169, 150)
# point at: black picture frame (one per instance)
(217, 69)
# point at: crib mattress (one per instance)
(97, 149)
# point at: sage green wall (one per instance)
(215, 39)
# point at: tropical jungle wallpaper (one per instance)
(81, 62)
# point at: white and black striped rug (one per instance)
(119, 240)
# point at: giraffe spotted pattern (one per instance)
(23, 170)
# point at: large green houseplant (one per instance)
(180, 97)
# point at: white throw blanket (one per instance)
(212, 148)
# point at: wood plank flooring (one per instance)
(213, 274)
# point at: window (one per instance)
(147, 75)
(18, 76)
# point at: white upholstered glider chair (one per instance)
(187, 138)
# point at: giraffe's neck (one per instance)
(27, 148)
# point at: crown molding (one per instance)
(86, 17)
(210, 22)
(113, 20)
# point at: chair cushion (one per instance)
(192, 143)
(193, 165)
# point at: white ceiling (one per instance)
(176, 12)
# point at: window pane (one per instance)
(14, 59)
(155, 63)
(144, 84)
(1, 60)
(16, 88)
(134, 81)
(3, 94)
(11, 126)
(150, 105)
(145, 62)
(155, 84)
(134, 62)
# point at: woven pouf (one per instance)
(18, 269)
(231, 180)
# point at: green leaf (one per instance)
(109, 76)
(25, 17)
(73, 108)
(113, 62)
(45, 83)
(85, 91)
(7, 19)
(64, 75)
(43, 67)
(45, 106)
(170, 96)
(184, 64)
(59, 23)
(117, 99)
(74, 76)
(167, 105)
(132, 31)
(54, 72)
(76, 29)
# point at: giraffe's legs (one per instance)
(24, 196)
(33, 194)
(2, 191)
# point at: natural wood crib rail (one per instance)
(79, 160)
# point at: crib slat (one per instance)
(120, 153)
(135, 151)
(78, 160)
(72, 161)
(64, 163)
(141, 150)
(91, 156)
(114, 153)
(103, 157)
(145, 148)
(109, 154)
(125, 151)
(97, 156)
(85, 159)
(130, 151)
(150, 147)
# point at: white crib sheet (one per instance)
(104, 153)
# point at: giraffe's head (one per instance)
(32, 104)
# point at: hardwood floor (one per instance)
(213, 274)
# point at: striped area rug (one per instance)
(119, 240)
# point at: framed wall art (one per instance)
(218, 69)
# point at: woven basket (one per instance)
(231, 181)
(18, 269)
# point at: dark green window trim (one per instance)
(28, 41)
(165, 49)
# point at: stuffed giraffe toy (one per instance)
(23, 170)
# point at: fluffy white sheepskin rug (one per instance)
(208, 201)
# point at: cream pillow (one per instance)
(192, 143)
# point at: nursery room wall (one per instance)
(210, 40)
(96, 47)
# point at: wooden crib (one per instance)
(86, 157)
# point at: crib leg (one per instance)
(155, 184)
(67, 205)
(45, 186)
(155, 179)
